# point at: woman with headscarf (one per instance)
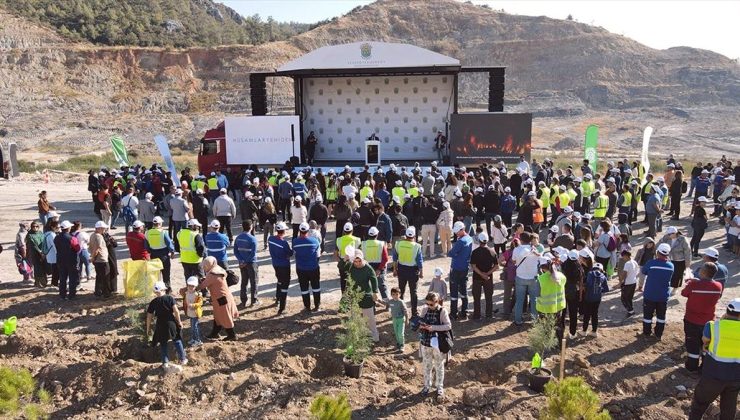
(21, 252)
(35, 254)
(224, 305)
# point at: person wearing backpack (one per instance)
(129, 208)
(434, 329)
(596, 284)
(605, 245)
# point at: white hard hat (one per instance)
(303, 227)
(373, 231)
(483, 237)
(438, 272)
(598, 266)
(100, 224)
(160, 286)
(671, 230)
(65, 224)
(194, 222)
(734, 305)
(148, 195)
(573, 254)
(411, 232)
(711, 253)
(664, 249)
(348, 227)
(457, 227)
(281, 227)
(157, 220)
(137, 224)
(215, 224)
(192, 281)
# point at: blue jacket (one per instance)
(702, 187)
(460, 253)
(222, 181)
(385, 228)
(596, 284)
(285, 190)
(508, 204)
(299, 189)
(245, 248)
(280, 251)
(216, 245)
(658, 280)
(306, 249)
(384, 196)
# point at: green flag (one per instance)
(119, 150)
(592, 139)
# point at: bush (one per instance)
(572, 399)
(355, 340)
(136, 317)
(542, 336)
(324, 407)
(17, 392)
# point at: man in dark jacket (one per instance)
(384, 224)
(492, 205)
(248, 208)
(319, 213)
(67, 260)
(201, 209)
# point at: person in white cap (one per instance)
(721, 366)
(459, 266)
(376, 254)
(192, 302)
(192, 249)
(147, 210)
(712, 255)
(364, 279)
(508, 205)
(594, 286)
(658, 272)
(67, 250)
(248, 207)
(307, 266)
(245, 251)
(408, 267)
(213, 188)
(99, 256)
(702, 295)
(180, 208)
(129, 208)
(298, 214)
(280, 253)
(168, 325)
(680, 254)
(653, 209)
(342, 243)
(160, 246)
(224, 210)
(136, 242)
(217, 244)
(484, 262)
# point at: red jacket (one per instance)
(136, 242)
(703, 296)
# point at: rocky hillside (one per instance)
(66, 92)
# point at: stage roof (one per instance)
(369, 57)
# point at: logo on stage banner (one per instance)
(366, 50)
(119, 150)
(164, 150)
(592, 140)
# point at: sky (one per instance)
(709, 24)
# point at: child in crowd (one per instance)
(518, 229)
(628, 280)
(168, 324)
(439, 285)
(552, 235)
(400, 316)
(645, 254)
(623, 244)
(596, 284)
(624, 226)
(193, 305)
(499, 233)
(314, 232)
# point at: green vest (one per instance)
(724, 345)
(188, 254)
(213, 184)
(194, 185)
(553, 194)
(346, 240)
(627, 199)
(564, 199)
(572, 194)
(414, 192)
(545, 198)
(587, 188)
(331, 193)
(399, 192)
(602, 204)
(407, 252)
(552, 295)
(364, 191)
(373, 250)
(272, 181)
(155, 238)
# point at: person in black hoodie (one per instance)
(68, 249)
(492, 205)
(515, 183)
(574, 276)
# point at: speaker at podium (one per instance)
(372, 150)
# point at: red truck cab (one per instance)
(212, 154)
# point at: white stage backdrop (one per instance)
(260, 140)
(405, 112)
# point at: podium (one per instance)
(372, 152)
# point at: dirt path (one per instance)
(86, 354)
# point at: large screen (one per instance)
(491, 136)
(405, 113)
(262, 140)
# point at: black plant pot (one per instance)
(539, 378)
(352, 370)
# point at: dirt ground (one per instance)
(93, 363)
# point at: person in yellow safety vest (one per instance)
(544, 196)
(551, 301)
(400, 192)
(192, 249)
(413, 190)
(624, 202)
(562, 200)
(572, 194)
(159, 245)
(365, 190)
(212, 184)
(601, 205)
(554, 191)
(408, 265)
(587, 189)
(376, 254)
(347, 239)
(720, 373)
(272, 180)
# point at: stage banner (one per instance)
(644, 160)
(119, 150)
(262, 140)
(164, 150)
(592, 140)
(490, 137)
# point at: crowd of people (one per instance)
(557, 238)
